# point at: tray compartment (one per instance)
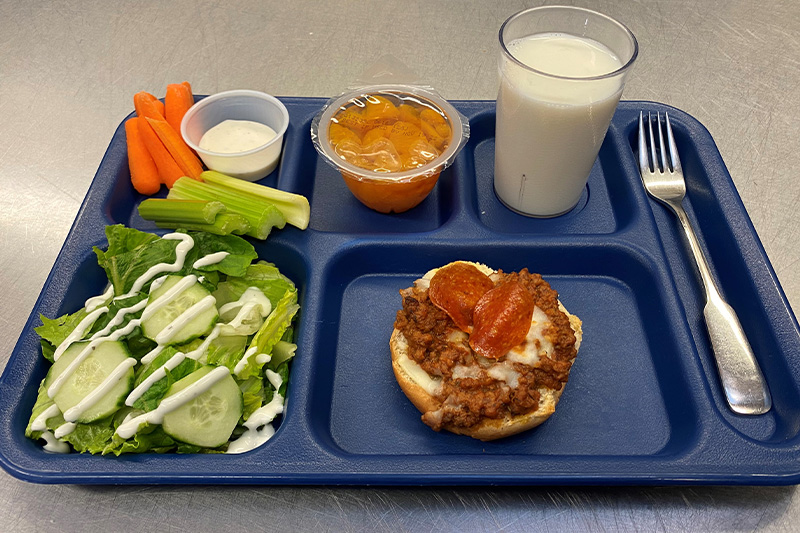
(627, 359)
(607, 203)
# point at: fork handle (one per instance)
(745, 388)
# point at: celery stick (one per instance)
(294, 207)
(261, 215)
(189, 211)
(224, 224)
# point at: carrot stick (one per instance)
(148, 105)
(168, 169)
(188, 162)
(144, 173)
(178, 101)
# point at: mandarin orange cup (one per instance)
(390, 143)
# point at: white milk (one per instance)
(549, 129)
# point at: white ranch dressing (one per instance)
(259, 423)
(64, 429)
(235, 136)
(210, 259)
(79, 331)
(96, 301)
(53, 445)
(166, 298)
(118, 319)
(183, 247)
(40, 422)
(130, 427)
(159, 373)
(242, 364)
(166, 334)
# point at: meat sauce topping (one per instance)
(439, 346)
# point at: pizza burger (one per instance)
(483, 353)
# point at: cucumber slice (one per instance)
(209, 419)
(96, 367)
(165, 316)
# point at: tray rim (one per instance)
(340, 477)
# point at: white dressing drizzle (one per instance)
(118, 319)
(53, 445)
(96, 301)
(40, 422)
(166, 334)
(181, 250)
(242, 364)
(259, 425)
(159, 373)
(79, 331)
(210, 259)
(130, 427)
(64, 429)
(168, 296)
(152, 354)
(201, 350)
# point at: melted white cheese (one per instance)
(419, 376)
(535, 343)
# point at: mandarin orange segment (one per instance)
(379, 132)
(382, 156)
(432, 135)
(353, 120)
(404, 134)
(408, 113)
(420, 153)
(378, 110)
(338, 133)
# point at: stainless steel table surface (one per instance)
(68, 71)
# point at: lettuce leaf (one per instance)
(56, 330)
(150, 438)
(263, 275)
(92, 438)
(276, 323)
(156, 392)
(252, 395)
(226, 351)
(130, 254)
(240, 253)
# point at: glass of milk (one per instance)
(562, 71)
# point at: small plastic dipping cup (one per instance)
(562, 72)
(395, 191)
(255, 106)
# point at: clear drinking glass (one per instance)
(562, 72)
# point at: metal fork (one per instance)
(742, 380)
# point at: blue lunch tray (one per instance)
(643, 404)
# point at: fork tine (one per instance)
(673, 148)
(644, 165)
(653, 161)
(662, 150)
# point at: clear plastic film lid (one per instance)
(389, 126)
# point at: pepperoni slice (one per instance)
(502, 319)
(456, 288)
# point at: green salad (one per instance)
(186, 351)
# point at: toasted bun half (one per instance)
(422, 389)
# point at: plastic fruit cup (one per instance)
(399, 191)
(255, 106)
